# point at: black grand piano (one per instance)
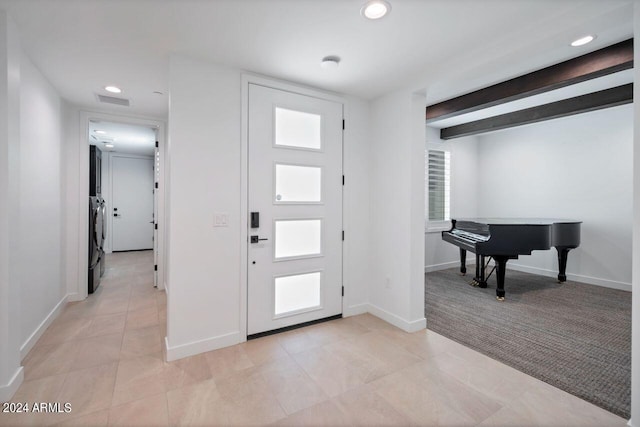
(506, 238)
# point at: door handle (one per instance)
(256, 239)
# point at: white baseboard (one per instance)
(74, 297)
(405, 325)
(541, 272)
(8, 390)
(573, 277)
(443, 266)
(202, 346)
(354, 310)
(35, 336)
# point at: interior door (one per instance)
(295, 209)
(132, 180)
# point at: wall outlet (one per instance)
(220, 219)
(387, 282)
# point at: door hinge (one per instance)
(156, 225)
(155, 267)
(343, 124)
(156, 144)
(156, 185)
(343, 291)
(342, 179)
(342, 234)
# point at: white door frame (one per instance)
(247, 79)
(83, 194)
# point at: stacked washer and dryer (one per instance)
(97, 223)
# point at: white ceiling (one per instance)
(447, 47)
(125, 138)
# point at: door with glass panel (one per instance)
(295, 209)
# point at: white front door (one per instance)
(295, 209)
(132, 206)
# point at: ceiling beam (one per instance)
(605, 61)
(581, 104)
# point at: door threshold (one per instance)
(292, 327)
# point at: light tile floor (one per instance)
(105, 357)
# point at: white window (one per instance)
(437, 188)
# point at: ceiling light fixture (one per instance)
(375, 9)
(113, 89)
(583, 40)
(100, 132)
(330, 62)
(109, 145)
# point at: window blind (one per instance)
(437, 185)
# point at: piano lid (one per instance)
(518, 221)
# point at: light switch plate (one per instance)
(220, 219)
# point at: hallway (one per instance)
(78, 358)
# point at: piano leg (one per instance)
(563, 253)
(501, 265)
(480, 272)
(463, 261)
(476, 278)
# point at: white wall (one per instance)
(416, 316)
(11, 373)
(357, 211)
(41, 256)
(635, 303)
(204, 155)
(575, 167)
(71, 208)
(32, 256)
(439, 254)
(397, 206)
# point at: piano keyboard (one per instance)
(469, 236)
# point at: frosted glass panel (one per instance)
(298, 183)
(298, 129)
(298, 238)
(298, 292)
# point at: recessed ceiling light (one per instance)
(330, 62)
(100, 132)
(583, 40)
(109, 145)
(113, 89)
(375, 9)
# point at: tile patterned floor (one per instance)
(104, 356)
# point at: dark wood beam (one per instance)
(605, 61)
(581, 104)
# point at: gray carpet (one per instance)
(574, 336)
